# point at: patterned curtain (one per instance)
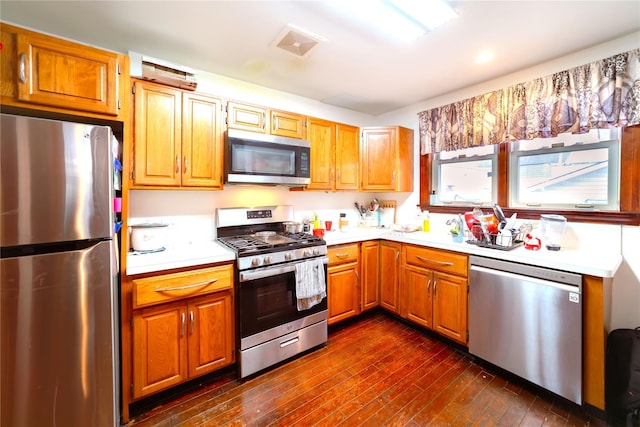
(598, 95)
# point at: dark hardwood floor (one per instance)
(373, 372)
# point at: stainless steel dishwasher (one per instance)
(528, 321)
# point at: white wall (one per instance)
(625, 307)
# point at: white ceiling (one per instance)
(358, 68)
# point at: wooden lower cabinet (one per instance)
(450, 306)
(418, 301)
(370, 274)
(390, 276)
(178, 341)
(343, 282)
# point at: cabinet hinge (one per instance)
(133, 89)
(132, 175)
(118, 69)
(119, 104)
(467, 336)
(131, 388)
(467, 288)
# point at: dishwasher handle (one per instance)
(562, 286)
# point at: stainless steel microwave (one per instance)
(255, 158)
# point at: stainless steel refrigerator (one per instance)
(58, 312)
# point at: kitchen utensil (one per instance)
(319, 232)
(552, 229)
(532, 243)
(327, 225)
(148, 237)
(502, 220)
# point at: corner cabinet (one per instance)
(334, 155)
(182, 326)
(370, 272)
(47, 73)
(343, 282)
(390, 276)
(178, 138)
(387, 159)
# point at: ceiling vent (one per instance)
(297, 41)
(159, 71)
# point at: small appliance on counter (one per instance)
(148, 237)
(552, 229)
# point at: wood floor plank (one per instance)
(377, 371)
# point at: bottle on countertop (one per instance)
(425, 221)
(343, 223)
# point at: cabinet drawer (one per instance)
(167, 287)
(436, 259)
(342, 253)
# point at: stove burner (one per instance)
(248, 243)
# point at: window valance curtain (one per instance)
(600, 94)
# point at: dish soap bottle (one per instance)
(425, 221)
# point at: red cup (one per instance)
(319, 232)
(327, 225)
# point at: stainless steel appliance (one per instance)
(271, 327)
(254, 158)
(528, 320)
(58, 294)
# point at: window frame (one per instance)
(464, 158)
(613, 178)
(629, 213)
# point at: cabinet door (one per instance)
(389, 275)
(379, 148)
(347, 157)
(210, 332)
(159, 348)
(369, 269)
(202, 144)
(343, 293)
(321, 135)
(157, 133)
(63, 74)
(417, 296)
(247, 117)
(450, 306)
(287, 124)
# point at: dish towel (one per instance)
(311, 285)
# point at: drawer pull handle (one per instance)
(291, 341)
(443, 263)
(23, 67)
(180, 288)
(342, 255)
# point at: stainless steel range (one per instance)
(281, 304)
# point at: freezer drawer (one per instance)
(527, 325)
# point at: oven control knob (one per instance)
(307, 252)
(316, 251)
(255, 262)
(288, 256)
(266, 260)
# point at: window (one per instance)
(567, 172)
(466, 176)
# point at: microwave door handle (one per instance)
(246, 276)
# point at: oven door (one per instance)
(267, 300)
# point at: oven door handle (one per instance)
(261, 273)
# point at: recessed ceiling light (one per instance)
(484, 57)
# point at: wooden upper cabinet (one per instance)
(157, 134)
(287, 124)
(254, 118)
(178, 138)
(334, 155)
(202, 141)
(322, 138)
(247, 117)
(387, 159)
(347, 157)
(59, 75)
